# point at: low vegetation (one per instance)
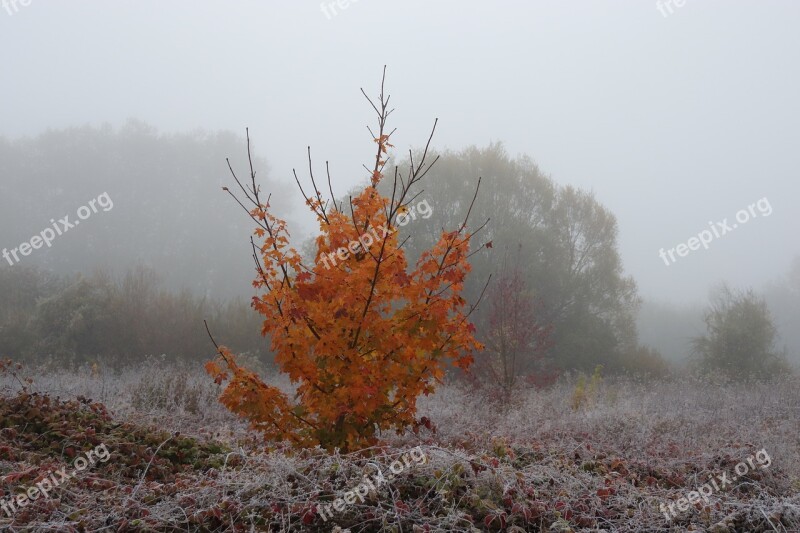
(544, 466)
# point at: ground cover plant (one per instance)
(544, 465)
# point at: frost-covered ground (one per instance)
(180, 462)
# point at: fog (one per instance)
(676, 116)
(551, 281)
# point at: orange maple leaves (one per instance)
(360, 341)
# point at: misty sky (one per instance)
(672, 121)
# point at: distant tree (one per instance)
(569, 253)
(593, 303)
(516, 341)
(72, 324)
(21, 287)
(645, 361)
(741, 339)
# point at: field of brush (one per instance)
(545, 462)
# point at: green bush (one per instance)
(741, 338)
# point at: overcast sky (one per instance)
(673, 121)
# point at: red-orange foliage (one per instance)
(516, 338)
(362, 337)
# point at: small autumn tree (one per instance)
(516, 340)
(359, 335)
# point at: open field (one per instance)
(180, 462)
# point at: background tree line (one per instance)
(559, 245)
(169, 212)
(115, 321)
